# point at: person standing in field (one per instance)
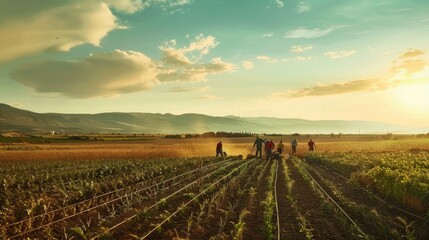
(280, 147)
(219, 149)
(293, 145)
(269, 147)
(258, 143)
(311, 145)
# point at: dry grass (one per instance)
(188, 148)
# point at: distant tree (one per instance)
(173, 136)
(296, 134)
(208, 135)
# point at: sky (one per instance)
(314, 59)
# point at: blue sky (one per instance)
(337, 59)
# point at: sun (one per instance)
(414, 97)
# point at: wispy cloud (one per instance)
(412, 53)
(209, 97)
(179, 89)
(266, 59)
(301, 58)
(303, 7)
(400, 73)
(247, 64)
(339, 54)
(400, 10)
(199, 47)
(303, 32)
(128, 6)
(179, 3)
(300, 49)
(331, 89)
(279, 3)
(267, 35)
(120, 72)
(167, 5)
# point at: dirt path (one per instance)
(323, 223)
(289, 228)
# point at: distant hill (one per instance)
(14, 119)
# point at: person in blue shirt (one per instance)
(258, 143)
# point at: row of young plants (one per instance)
(400, 176)
(351, 229)
(202, 212)
(15, 210)
(369, 218)
(111, 202)
(223, 214)
(304, 225)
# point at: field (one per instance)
(352, 187)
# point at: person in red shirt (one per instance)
(270, 147)
(219, 149)
(311, 145)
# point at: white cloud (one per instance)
(209, 97)
(339, 54)
(176, 65)
(247, 64)
(179, 3)
(303, 7)
(45, 25)
(120, 72)
(267, 35)
(266, 59)
(300, 49)
(59, 26)
(128, 6)
(303, 32)
(405, 70)
(200, 46)
(410, 53)
(99, 75)
(330, 89)
(301, 58)
(180, 89)
(280, 3)
(194, 72)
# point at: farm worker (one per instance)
(280, 147)
(270, 147)
(258, 143)
(219, 149)
(293, 145)
(311, 145)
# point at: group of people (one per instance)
(269, 147)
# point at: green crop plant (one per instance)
(305, 227)
(239, 227)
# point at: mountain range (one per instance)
(14, 119)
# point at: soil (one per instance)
(387, 214)
(254, 221)
(289, 228)
(323, 223)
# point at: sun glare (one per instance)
(415, 97)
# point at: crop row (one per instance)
(402, 177)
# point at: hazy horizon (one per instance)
(313, 60)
